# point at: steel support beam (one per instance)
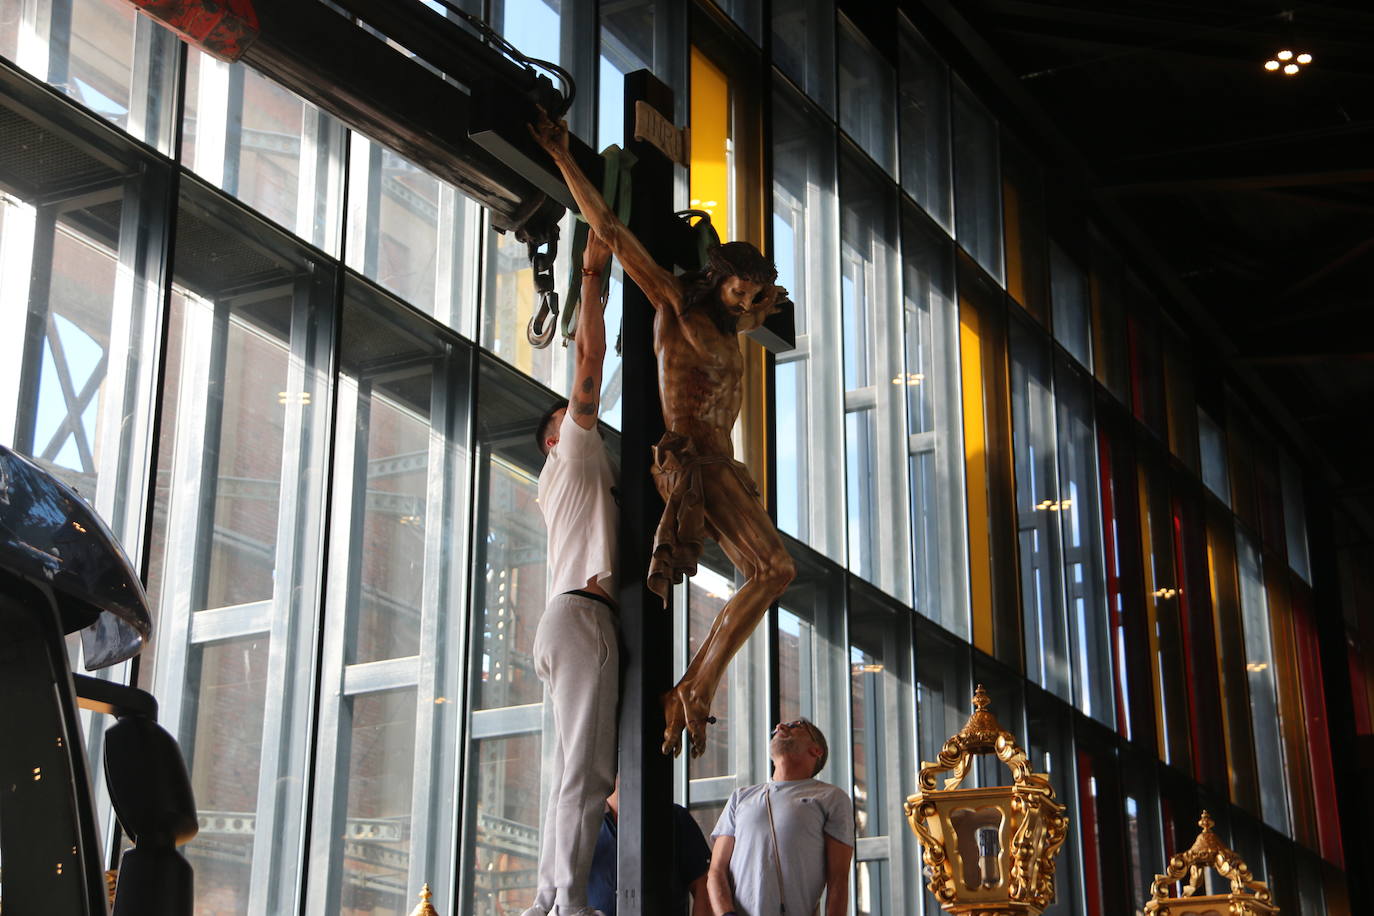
(646, 626)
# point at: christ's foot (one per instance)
(675, 720)
(682, 710)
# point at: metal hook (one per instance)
(544, 324)
(539, 333)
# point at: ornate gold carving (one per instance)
(941, 882)
(981, 734)
(1035, 820)
(1247, 895)
(424, 907)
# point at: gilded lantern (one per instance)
(988, 850)
(1248, 897)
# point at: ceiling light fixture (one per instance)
(1289, 62)
(1286, 59)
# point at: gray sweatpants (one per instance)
(576, 655)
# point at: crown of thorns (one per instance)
(740, 259)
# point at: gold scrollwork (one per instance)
(981, 734)
(933, 851)
(1207, 851)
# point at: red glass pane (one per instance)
(1115, 598)
(1318, 733)
(1092, 856)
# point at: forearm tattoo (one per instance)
(584, 404)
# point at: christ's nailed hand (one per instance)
(551, 135)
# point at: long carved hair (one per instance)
(701, 288)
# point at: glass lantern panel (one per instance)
(978, 836)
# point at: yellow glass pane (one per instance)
(976, 458)
(1239, 739)
(710, 137)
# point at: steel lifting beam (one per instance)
(468, 129)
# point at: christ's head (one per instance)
(736, 279)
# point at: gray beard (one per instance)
(784, 746)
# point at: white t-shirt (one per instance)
(805, 812)
(579, 510)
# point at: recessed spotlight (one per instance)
(1271, 65)
(1284, 55)
(1304, 58)
(1290, 69)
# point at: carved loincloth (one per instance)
(683, 527)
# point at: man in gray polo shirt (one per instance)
(779, 844)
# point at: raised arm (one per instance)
(658, 284)
(590, 335)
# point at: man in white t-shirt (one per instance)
(576, 653)
(779, 844)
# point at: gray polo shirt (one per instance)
(805, 812)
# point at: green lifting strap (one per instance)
(615, 190)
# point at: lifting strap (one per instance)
(615, 190)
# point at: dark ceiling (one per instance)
(1255, 188)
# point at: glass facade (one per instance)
(808, 394)
(289, 367)
(867, 89)
(875, 379)
(238, 513)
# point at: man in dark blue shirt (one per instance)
(689, 875)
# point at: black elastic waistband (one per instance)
(582, 593)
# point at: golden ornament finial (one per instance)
(981, 700)
(424, 907)
(982, 729)
(1206, 822)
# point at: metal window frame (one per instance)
(290, 617)
(873, 263)
(432, 833)
(821, 347)
(891, 712)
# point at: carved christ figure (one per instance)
(706, 492)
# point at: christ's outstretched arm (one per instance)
(659, 285)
